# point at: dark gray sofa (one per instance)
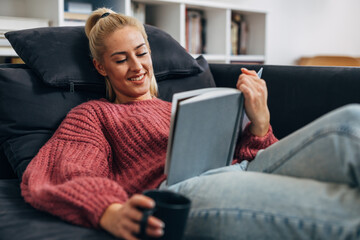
(31, 108)
(297, 95)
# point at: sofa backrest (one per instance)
(298, 94)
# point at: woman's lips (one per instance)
(137, 78)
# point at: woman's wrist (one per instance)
(259, 130)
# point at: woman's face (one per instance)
(127, 64)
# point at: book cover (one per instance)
(205, 125)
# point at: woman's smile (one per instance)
(137, 78)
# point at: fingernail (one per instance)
(161, 224)
(160, 232)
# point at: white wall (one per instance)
(308, 27)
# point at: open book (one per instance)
(204, 129)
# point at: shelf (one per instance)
(69, 23)
(168, 15)
(220, 58)
(254, 58)
(212, 58)
(7, 51)
(116, 5)
(17, 23)
(13, 24)
(165, 16)
(214, 33)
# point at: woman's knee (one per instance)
(341, 118)
(350, 112)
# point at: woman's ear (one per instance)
(99, 67)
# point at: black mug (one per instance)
(171, 208)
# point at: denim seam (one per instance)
(320, 134)
(253, 213)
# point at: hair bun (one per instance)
(95, 17)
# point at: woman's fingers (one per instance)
(155, 231)
(154, 222)
(141, 201)
(248, 72)
(131, 228)
(154, 225)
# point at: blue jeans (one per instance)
(305, 186)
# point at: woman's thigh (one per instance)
(252, 205)
(327, 150)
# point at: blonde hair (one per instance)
(100, 24)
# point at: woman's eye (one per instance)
(121, 61)
(142, 54)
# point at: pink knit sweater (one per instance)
(103, 153)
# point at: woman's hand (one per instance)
(123, 220)
(255, 94)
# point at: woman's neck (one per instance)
(121, 100)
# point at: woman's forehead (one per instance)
(126, 37)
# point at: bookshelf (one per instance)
(168, 15)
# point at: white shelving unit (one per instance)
(168, 15)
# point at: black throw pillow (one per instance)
(31, 111)
(61, 55)
(201, 80)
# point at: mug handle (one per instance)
(144, 220)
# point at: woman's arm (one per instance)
(258, 134)
(249, 144)
(255, 95)
(70, 177)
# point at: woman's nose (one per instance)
(135, 65)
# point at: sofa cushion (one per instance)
(203, 79)
(19, 220)
(31, 111)
(60, 55)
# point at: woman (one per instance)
(106, 152)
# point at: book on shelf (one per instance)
(138, 10)
(239, 34)
(79, 7)
(204, 128)
(70, 16)
(16, 60)
(77, 11)
(195, 31)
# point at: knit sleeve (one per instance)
(249, 144)
(70, 175)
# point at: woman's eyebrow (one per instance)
(123, 52)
